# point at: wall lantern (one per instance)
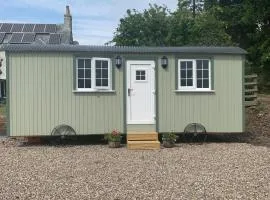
(1, 60)
(118, 61)
(164, 62)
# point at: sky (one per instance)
(94, 21)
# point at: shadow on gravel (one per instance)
(62, 141)
(200, 139)
(247, 137)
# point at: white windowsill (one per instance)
(196, 91)
(94, 91)
(141, 122)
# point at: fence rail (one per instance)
(251, 90)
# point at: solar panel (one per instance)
(28, 37)
(55, 39)
(28, 28)
(50, 28)
(39, 28)
(2, 36)
(17, 28)
(16, 38)
(1, 25)
(6, 28)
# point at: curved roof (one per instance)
(121, 49)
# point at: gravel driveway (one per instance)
(208, 171)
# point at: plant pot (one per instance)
(168, 144)
(114, 144)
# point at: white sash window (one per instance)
(93, 74)
(194, 75)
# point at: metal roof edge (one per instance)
(121, 49)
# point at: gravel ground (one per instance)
(208, 171)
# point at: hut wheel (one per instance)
(195, 129)
(63, 132)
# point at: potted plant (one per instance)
(169, 139)
(114, 139)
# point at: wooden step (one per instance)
(251, 83)
(251, 90)
(143, 145)
(142, 136)
(251, 96)
(251, 76)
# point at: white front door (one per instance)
(140, 92)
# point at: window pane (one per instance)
(199, 83)
(189, 82)
(80, 83)
(183, 74)
(104, 82)
(87, 73)
(199, 73)
(98, 64)
(205, 73)
(80, 63)
(205, 64)
(183, 65)
(98, 73)
(205, 83)
(98, 82)
(137, 73)
(189, 65)
(87, 83)
(104, 73)
(143, 77)
(105, 64)
(199, 64)
(138, 78)
(88, 63)
(80, 73)
(183, 82)
(143, 73)
(189, 73)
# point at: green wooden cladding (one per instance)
(41, 96)
(219, 111)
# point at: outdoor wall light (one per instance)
(164, 62)
(118, 61)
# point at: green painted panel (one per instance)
(219, 111)
(41, 90)
(41, 87)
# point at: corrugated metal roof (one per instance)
(120, 49)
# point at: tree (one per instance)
(148, 28)
(157, 27)
(195, 6)
(209, 31)
(205, 29)
(248, 24)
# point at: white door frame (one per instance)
(153, 100)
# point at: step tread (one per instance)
(143, 142)
(141, 132)
(142, 136)
(143, 145)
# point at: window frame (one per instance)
(95, 88)
(93, 63)
(145, 75)
(194, 75)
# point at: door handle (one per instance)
(129, 91)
